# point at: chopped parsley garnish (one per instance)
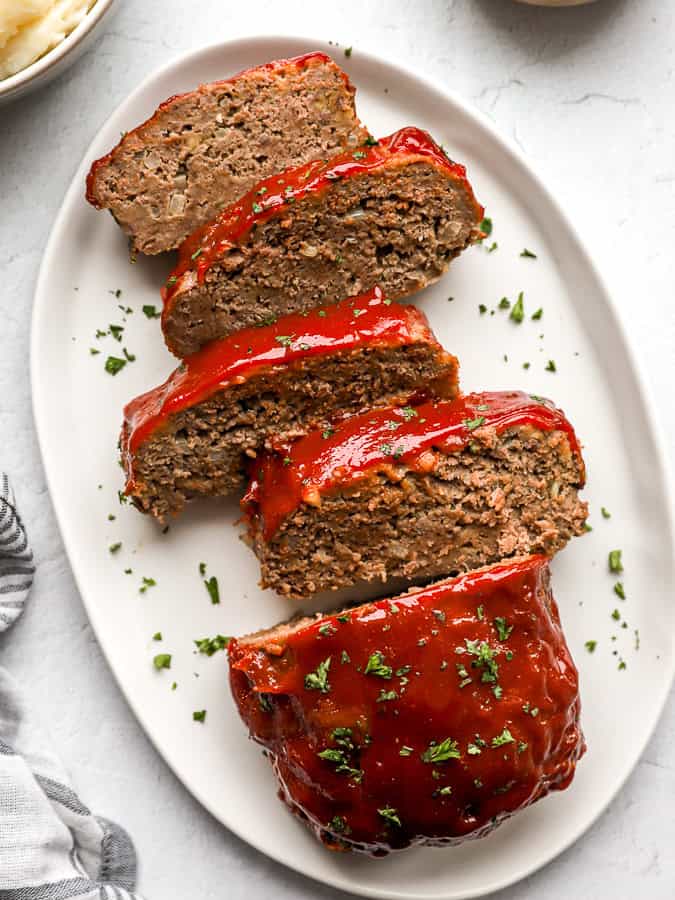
(172, 280)
(528, 254)
(405, 751)
(113, 548)
(437, 753)
(537, 315)
(504, 303)
(616, 615)
(257, 208)
(261, 191)
(345, 658)
(473, 750)
(202, 568)
(482, 309)
(480, 613)
(157, 636)
(359, 154)
(371, 142)
(327, 433)
(517, 314)
(409, 413)
(338, 824)
(386, 696)
(196, 254)
(341, 760)
(619, 590)
(150, 311)
(503, 630)
(199, 715)
(114, 364)
(162, 661)
(550, 366)
(146, 583)
(318, 680)
(390, 816)
(209, 646)
(116, 331)
(485, 659)
(284, 339)
(348, 51)
(444, 791)
(606, 514)
(327, 629)
(94, 351)
(486, 227)
(472, 424)
(614, 562)
(344, 617)
(504, 738)
(211, 585)
(130, 357)
(590, 646)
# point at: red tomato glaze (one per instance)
(381, 439)
(424, 719)
(277, 65)
(364, 321)
(273, 195)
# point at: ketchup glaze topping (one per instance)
(300, 62)
(381, 439)
(273, 196)
(428, 718)
(367, 320)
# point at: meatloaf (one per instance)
(202, 150)
(438, 489)
(393, 213)
(426, 719)
(191, 435)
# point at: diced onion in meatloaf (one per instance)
(416, 493)
(202, 150)
(428, 718)
(393, 213)
(191, 435)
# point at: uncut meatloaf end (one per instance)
(192, 435)
(394, 212)
(202, 150)
(443, 489)
(428, 718)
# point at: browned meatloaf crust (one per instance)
(202, 150)
(191, 435)
(393, 213)
(441, 489)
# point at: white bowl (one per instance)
(57, 59)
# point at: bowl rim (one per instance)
(57, 53)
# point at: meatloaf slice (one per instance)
(425, 719)
(191, 435)
(393, 213)
(202, 150)
(435, 490)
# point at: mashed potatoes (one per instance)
(29, 28)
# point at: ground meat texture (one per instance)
(396, 217)
(192, 435)
(202, 150)
(428, 718)
(503, 493)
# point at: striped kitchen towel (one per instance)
(51, 846)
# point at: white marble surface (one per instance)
(588, 94)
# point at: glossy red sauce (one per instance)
(277, 65)
(273, 195)
(364, 321)
(511, 739)
(379, 439)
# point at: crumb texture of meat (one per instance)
(393, 214)
(202, 150)
(193, 435)
(429, 718)
(443, 489)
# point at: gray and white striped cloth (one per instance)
(51, 846)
